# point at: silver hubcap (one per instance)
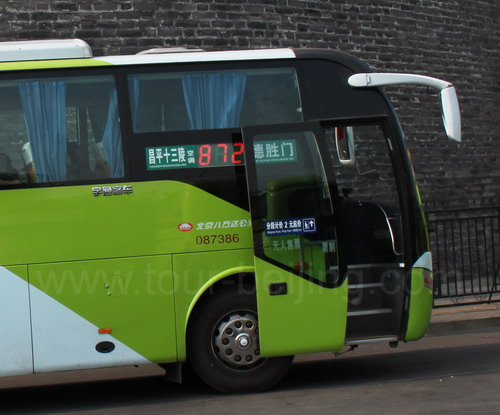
(236, 339)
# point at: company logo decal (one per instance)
(223, 224)
(113, 190)
(185, 227)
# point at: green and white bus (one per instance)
(227, 209)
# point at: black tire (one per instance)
(221, 369)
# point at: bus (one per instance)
(225, 209)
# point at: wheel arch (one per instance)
(231, 277)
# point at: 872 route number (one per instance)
(227, 238)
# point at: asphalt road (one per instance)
(457, 374)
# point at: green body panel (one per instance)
(131, 296)
(194, 274)
(70, 224)
(309, 318)
(420, 305)
(51, 64)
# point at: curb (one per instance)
(449, 327)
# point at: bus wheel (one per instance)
(223, 345)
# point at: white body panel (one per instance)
(63, 340)
(425, 261)
(16, 356)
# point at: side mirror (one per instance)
(449, 103)
(451, 113)
(344, 141)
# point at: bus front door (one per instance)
(301, 296)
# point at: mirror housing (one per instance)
(449, 102)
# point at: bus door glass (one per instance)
(370, 227)
(301, 299)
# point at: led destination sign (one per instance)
(218, 154)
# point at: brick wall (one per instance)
(456, 40)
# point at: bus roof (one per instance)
(76, 53)
(62, 49)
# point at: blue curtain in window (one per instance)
(44, 105)
(111, 139)
(134, 102)
(214, 100)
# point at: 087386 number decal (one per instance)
(227, 238)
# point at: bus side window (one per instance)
(61, 129)
(197, 100)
